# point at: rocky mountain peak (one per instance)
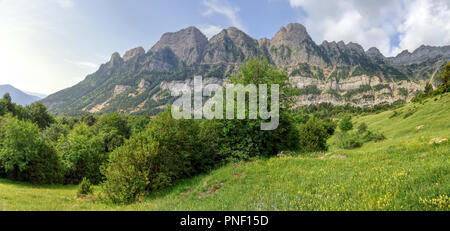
(230, 45)
(404, 53)
(356, 47)
(187, 44)
(115, 60)
(134, 53)
(293, 32)
(421, 54)
(374, 52)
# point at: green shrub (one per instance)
(313, 136)
(153, 159)
(373, 136)
(37, 113)
(85, 187)
(346, 124)
(127, 171)
(348, 140)
(362, 128)
(24, 156)
(82, 153)
(113, 129)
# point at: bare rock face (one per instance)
(344, 54)
(292, 45)
(421, 54)
(376, 55)
(115, 60)
(230, 46)
(342, 73)
(134, 54)
(187, 44)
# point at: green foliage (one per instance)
(52, 133)
(113, 129)
(85, 187)
(310, 90)
(372, 136)
(168, 149)
(313, 136)
(333, 93)
(37, 113)
(127, 171)
(152, 159)
(379, 87)
(346, 124)
(348, 140)
(428, 89)
(444, 78)
(258, 71)
(403, 92)
(138, 124)
(362, 128)
(361, 89)
(88, 118)
(82, 153)
(24, 156)
(340, 72)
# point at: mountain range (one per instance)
(139, 81)
(18, 96)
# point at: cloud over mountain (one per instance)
(392, 26)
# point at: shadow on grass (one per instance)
(19, 184)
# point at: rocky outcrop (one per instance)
(187, 44)
(292, 45)
(342, 72)
(230, 46)
(421, 54)
(134, 54)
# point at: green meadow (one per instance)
(409, 170)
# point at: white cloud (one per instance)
(83, 64)
(210, 30)
(427, 22)
(225, 9)
(376, 23)
(66, 4)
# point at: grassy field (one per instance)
(404, 172)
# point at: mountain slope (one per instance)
(139, 82)
(403, 172)
(17, 95)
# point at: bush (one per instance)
(164, 152)
(113, 129)
(346, 124)
(348, 140)
(37, 113)
(82, 154)
(24, 156)
(85, 187)
(362, 128)
(128, 171)
(313, 136)
(373, 136)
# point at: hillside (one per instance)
(138, 82)
(17, 95)
(403, 172)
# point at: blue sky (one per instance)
(48, 45)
